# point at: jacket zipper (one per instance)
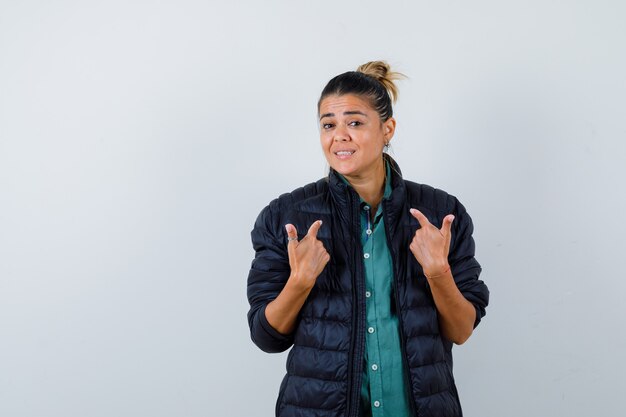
(405, 361)
(356, 348)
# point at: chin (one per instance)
(343, 170)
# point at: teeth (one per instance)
(345, 153)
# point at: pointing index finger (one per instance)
(315, 227)
(423, 221)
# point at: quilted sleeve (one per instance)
(268, 274)
(464, 266)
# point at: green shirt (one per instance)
(384, 391)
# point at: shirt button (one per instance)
(376, 404)
(366, 256)
(366, 208)
(374, 367)
(370, 330)
(368, 231)
(368, 294)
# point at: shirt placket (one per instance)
(373, 343)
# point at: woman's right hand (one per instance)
(307, 257)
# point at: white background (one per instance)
(140, 139)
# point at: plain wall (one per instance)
(139, 140)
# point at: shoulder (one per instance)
(308, 196)
(424, 197)
(429, 198)
(301, 195)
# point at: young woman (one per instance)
(370, 278)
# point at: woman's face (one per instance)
(353, 136)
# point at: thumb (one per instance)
(446, 231)
(292, 241)
(292, 234)
(447, 224)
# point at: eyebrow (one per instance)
(345, 113)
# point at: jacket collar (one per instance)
(341, 191)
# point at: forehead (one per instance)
(337, 104)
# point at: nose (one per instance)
(341, 135)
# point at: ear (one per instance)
(389, 128)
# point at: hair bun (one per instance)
(381, 71)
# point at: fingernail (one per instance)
(320, 222)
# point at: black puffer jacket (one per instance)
(325, 365)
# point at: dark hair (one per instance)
(373, 80)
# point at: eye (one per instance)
(355, 123)
(327, 125)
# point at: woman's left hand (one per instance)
(431, 245)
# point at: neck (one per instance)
(370, 187)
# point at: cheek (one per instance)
(325, 142)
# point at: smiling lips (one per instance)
(344, 154)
